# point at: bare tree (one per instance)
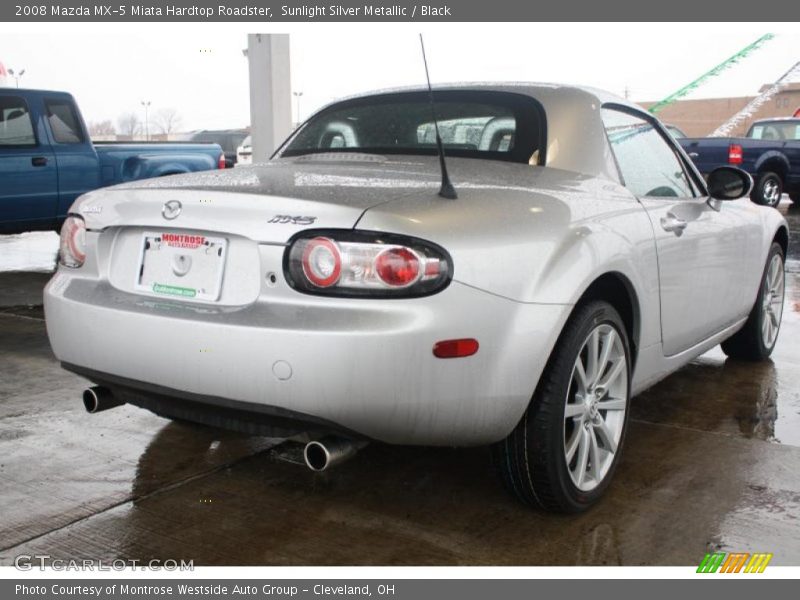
(129, 124)
(98, 128)
(168, 120)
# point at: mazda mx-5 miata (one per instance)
(344, 292)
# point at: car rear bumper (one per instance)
(363, 366)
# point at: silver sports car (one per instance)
(351, 290)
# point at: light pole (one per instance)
(16, 76)
(146, 104)
(297, 95)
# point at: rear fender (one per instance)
(773, 160)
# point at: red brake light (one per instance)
(372, 264)
(322, 262)
(796, 113)
(221, 161)
(397, 267)
(455, 348)
(735, 154)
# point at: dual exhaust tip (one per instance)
(319, 455)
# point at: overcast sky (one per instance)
(200, 70)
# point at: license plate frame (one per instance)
(183, 265)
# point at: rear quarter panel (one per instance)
(541, 243)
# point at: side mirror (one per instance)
(729, 183)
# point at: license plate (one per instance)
(182, 265)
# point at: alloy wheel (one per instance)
(772, 301)
(594, 415)
(771, 192)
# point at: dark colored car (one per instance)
(770, 152)
(228, 139)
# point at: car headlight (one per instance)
(72, 248)
(366, 264)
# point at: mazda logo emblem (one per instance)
(171, 209)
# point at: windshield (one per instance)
(775, 130)
(495, 125)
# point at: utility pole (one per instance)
(297, 95)
(16, 76)
(146, 104)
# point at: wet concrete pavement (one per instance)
(712, 461)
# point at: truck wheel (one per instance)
(563, 453)
(768, 189)
(756, 340)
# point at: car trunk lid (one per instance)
(266, 203)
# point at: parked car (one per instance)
(333, 293)
(228, 139)
(244, 153)
(47, 159)
(770, 152)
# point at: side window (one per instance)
(16, 127)
(648, 164)
(64, 122)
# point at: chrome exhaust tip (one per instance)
(330, 451)
(98, 398)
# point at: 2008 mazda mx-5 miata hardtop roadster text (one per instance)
(332, 292)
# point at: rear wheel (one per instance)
(563, 453)
(768, 189)
(756, 340)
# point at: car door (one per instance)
(703, 248)
(28, 175)
(78, 163)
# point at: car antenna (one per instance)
(447, 190)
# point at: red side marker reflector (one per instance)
(455, 348)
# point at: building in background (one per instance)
(699, 118)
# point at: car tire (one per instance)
(532, 461)
(756, 340)
(768, 189)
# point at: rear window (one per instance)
(64, 122)
(775, 131)
(495, 125)
(16, 127)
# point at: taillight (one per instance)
(397, 267)
(353, 263)
(735, 154)
(322, 262)
(72, 247)
(221, 161)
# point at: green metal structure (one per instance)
(744, 52)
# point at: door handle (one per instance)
(693, 155)
(672, 223)
(39, 161)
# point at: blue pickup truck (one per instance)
(770, 152)
(47, 159)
